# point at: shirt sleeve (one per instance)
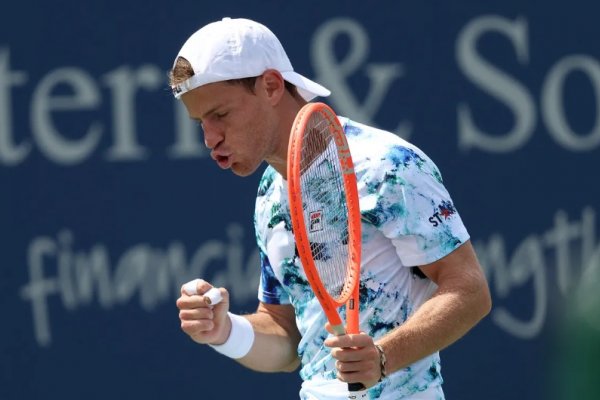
(266, 217)
(270, 290)
(408, 203)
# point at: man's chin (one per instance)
(242, 171)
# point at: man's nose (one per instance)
(212, 136)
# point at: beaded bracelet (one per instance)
(382, 362)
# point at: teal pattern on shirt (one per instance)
(408, 219)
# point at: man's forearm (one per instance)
(275, 343)
(439, 322)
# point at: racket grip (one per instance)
(355, 387)
(357, 391)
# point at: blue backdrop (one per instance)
(109, 201)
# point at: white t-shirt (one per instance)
(408, 220)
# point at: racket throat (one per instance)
(338, 330)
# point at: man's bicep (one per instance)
(458, 267)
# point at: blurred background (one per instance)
(109, 201)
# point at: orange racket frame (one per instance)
(350, 292)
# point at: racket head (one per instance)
(325, 210)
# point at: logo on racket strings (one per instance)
(315, 221)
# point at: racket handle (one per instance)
(357, 391)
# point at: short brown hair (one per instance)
(182, 71)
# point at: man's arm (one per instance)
(461, 300)
(275, 347)
(276, 336)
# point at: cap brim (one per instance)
(306, 88)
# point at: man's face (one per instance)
(239, 126)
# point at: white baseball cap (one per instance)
(239, 48)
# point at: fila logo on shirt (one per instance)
(446, 210)
(316, 221)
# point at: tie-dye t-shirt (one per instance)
(408, 219)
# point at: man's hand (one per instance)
(357, 358)
(203, 322)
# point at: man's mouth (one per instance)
(223, 162)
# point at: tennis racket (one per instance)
(326, 216)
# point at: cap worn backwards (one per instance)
(239, 48)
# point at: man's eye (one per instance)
(221, 115)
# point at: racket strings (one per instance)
(324, 202)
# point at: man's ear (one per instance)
(273, 85)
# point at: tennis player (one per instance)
(422, 287)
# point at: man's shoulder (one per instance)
(268, 181)
(374, 148)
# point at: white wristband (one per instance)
(240, 340)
